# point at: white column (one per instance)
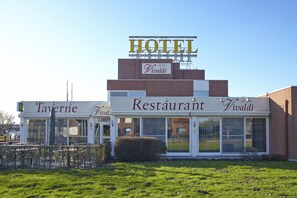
(101, 132)
(194, 126)
(91, 126)
(46, 131)
(113, 132)
(23, 131)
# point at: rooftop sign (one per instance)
(156, 68)
(179, 48)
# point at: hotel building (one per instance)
(160, 98)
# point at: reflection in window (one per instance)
(256, 135)
(97, 129)
(178, 134)
(61, 131)
(209, 135)
(154, 127)
(233, 135)
(78, 131)
(106, 131)
(128, 126)
(36, 131)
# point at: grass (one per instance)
(157, 179)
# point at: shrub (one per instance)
(54, 156)
(273, 157)
(107, 151)
(138, 149)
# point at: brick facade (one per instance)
(178, 83)
(283, 122)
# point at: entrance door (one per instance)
(208, 135)
(102, 132)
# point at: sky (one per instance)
(45, 43)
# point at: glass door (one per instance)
(209, 135)
(101, 132)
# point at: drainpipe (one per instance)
(286, 130)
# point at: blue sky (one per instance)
(250, 43)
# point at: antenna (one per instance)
(71, 91)
(67, 91)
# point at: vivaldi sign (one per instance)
(156, 68)
(180, 48)
(101, 110)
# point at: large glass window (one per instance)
(36, 131)
(209, 135)
(255, 135)
(154, 127)
(128, 126)
(78, 131)
(61, 131)
(178, 134)
(233, 135)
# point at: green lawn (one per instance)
(158, 179)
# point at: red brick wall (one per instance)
(278, 141)
(218, 88)
(189, 74)
(160, 87)
(154, 87)
(293, 126)
(178, 83)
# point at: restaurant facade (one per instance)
(84, 122)
(157, 95)
(193, 116)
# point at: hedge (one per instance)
(54, 156)
(138, 149)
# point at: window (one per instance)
(233, 135)
(36, 131)
(101, 124)
(105, 132)
(255, 135)
(201, 93)
(136, 94)
(128, 126)
(209, 135)
(61, 131)
(178, 134)
(154, 127)
(78, 131)
(128, 93)
(201, 88)
(118, 93)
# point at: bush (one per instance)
(273, 157)
(107, 151)
(54, 156)
(138, 149)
